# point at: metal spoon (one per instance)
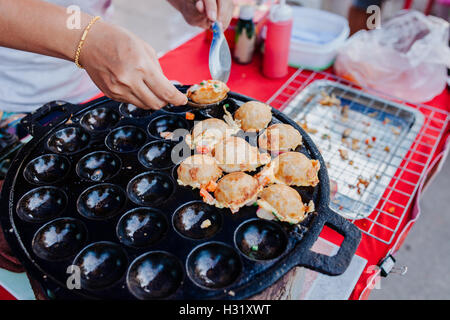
(219, 55)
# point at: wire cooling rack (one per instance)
(363, 139)
(390, 176)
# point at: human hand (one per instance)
(202, 13)
(126, 68)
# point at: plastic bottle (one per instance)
(278, 39)
(245, 38)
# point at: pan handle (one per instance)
(338, 263)
(38, 122)
(303, 256)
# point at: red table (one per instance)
(188, 64)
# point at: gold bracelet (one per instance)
(83, 38)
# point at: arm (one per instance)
(123, 66)
(201, 13)
(38, 27)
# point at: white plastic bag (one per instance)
(407, 57)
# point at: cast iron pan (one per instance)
(96, 185)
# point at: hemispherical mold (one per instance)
(155, 275)
(150, 188)
(101, 202)
(68, 140)
(41, 204)
(100, 119)
(213, 265)
(260, 239)
(180, 152)
(197, 220)
(174, 172)
(161, 125)
(59, 239)
(141, 227)
(157, 155)
(125, 139)
(48, 168)
(217, 110)
(131, 111)
(102, 264)
(203, 106)
(98, 166)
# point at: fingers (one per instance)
(157, 82)
(225, 12)
(211, 9)
(142, 92)
(135, 92)
(136, 77)
(165, 90)
(132, 99)
(140, 98)
(203, 22)
(121, 96)
(147, 98)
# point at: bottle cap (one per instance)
(246, 12)
(280, 12)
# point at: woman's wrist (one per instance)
(68, 39)
(83, 39)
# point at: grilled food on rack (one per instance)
(291, 168)
(198, 170)
(280, 137)
(207, 133)
(253, 116)
(235, 154)
(233, 191)
(208, 92)
(283, 203)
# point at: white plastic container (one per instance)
(316, 37)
